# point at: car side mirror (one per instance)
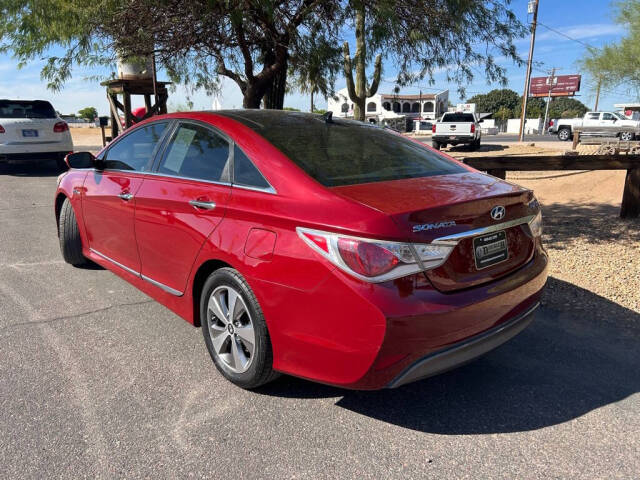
(82, 160)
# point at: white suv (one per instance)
(32, 130)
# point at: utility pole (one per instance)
(532, 8)
(551, 81)
(595, 109)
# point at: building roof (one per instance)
(424, 96)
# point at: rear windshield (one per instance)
(345, 152)
(458, 117)
(26, 109)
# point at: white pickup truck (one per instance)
(598, 123)
(455, 128)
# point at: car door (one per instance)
(108, 204)
(181, 203)
(592, 120)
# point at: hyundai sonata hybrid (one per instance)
(324, 248)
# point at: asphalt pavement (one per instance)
(99, 381)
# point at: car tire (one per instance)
(475, 145)
(564, 134)
(627, 136)
(436, 145)
(230, 347)
(69, 236)
(61, 164)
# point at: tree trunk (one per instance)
(312, 108)
(274, 95)
(252, 97)
(360, 59)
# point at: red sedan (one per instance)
(324, 248)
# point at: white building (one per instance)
(387, 105)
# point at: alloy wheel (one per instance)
(231, 329)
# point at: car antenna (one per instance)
(328, 117)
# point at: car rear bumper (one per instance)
(453, 138)
(464, 351)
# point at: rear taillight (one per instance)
(433, 128)
(551, 123)
(366, 258)
(374, 260)
(2, 129)
(60, 127)
(473, 128)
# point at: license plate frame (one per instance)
(490, 249)
(29, 133)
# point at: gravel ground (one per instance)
(589, 245)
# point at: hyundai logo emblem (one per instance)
(498, 212)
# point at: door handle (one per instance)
(125, 196)
(201, 204)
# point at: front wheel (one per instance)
(564, 134)
(69, 236)
(627, 136)
(235, 331)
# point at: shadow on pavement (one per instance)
(483, 148)
(591, 223)
(44, 168)
(563, 366)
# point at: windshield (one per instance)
(26, 109)
(344, 152)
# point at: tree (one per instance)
(358, 90)
(563, 107)
(618, 64)
(315, 68)
(89, 113)
(422, 38)
(496, 100)
(248, 41)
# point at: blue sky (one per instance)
(589, 21)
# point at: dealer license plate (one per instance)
(490, 249)
(29, 133)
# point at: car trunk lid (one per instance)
(431, 208)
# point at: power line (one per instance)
(591, 47)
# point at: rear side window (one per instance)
(135, 150)
(458, 118)
(345, 152)
(196, 152)
(26, 109)
(245, 172)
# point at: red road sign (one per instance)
(563, 85)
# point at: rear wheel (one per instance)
(436, 145)
(235, 331)
(69, 236)
(564, 134)
(475, 145)
(627, 136)
(60, 163)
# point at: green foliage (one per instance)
(291, 109)
(320, 111)
(617, 63)
(89, 113)
(497, 100)
(563, 107)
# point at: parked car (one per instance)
(456, 128)
(32, 130)
(323, 248)
(599, 123)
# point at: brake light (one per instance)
(473, 128)
(374, 260)
(365, 258)
(2, 129)
(433, 129)
(551, 123)
(60, 127)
